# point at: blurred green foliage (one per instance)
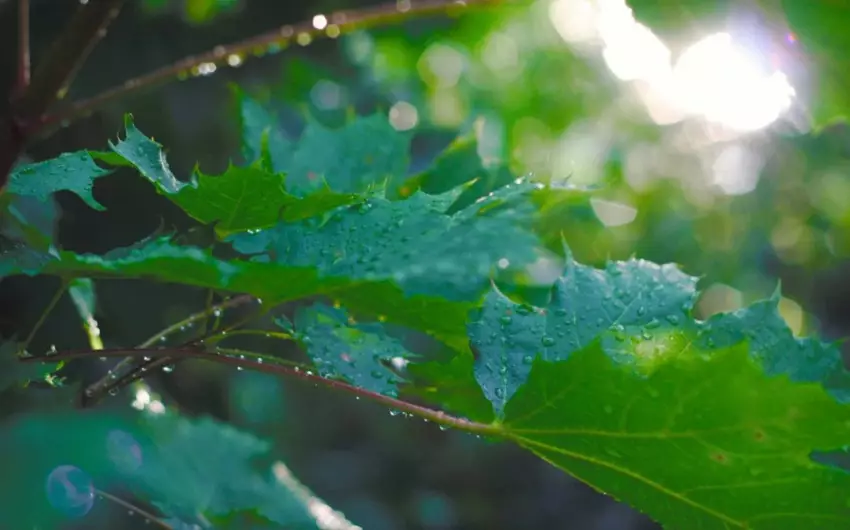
(446, 112)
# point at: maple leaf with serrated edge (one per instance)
(362, 155)
(698, 424)
(74, 172)
(263, 140)
(460, 165)
(240, 199)
(359, 353)
(584, 302)
(161, 260)
(410, 242)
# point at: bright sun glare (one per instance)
(715, 78)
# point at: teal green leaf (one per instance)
(153, 456)
(366, 152)
(362, 155)
(360, 353)
(507, 337)
(263, 139)
(147, 156)
(161, 260)
(410, 242)
(18, 258)
(29, 220)
(585, 302)
(698, 424)
(460, 165)
(73, 172)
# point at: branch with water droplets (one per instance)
(149, 517)
(110, 380)
(332, 26)
(269, 365)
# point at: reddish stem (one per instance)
(52, 77)
(436, 416)
(231, 54)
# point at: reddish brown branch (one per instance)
(52, 77)
(436, 416)
(232, 54)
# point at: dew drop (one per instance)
(528, 359)
(673, 319)
(500, 393)
(547, 341)
(505, 320)
(641, 311)
(123, 450)
(70, 490)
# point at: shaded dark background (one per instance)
(383, 472)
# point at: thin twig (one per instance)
(51, 78)
(99, 388)
(47, 310)
(141, 370)
(436, 416)
(132, 507)
(331, 25)
(23, 46)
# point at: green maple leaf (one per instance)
(360, 353)
(275, 281)
(366, 152)
(240, 199)
(698, 424)
(73, 172)
(147, 156)
(460, 165)
(360, 156)
(263, 139)
(584, 302)
(409, 242)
